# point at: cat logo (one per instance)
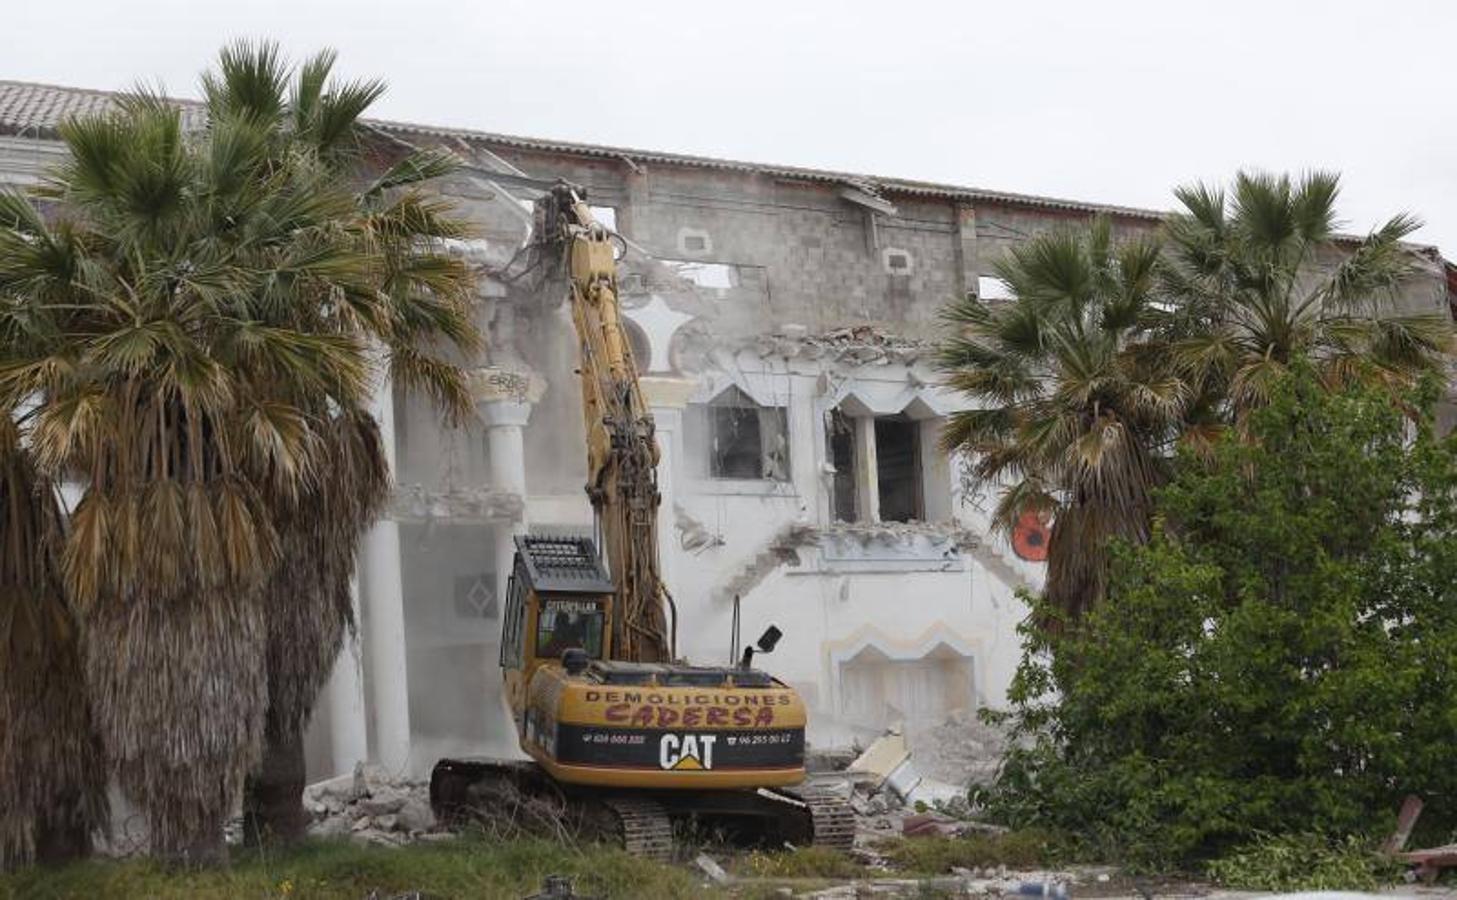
(689, 752)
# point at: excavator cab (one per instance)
(558, 612)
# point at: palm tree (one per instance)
(1069, 420)
(195, 324)
(1256, 279)
(415, 296)
(136, 334)
(52, 782)
(1109, 357)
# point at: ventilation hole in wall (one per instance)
(897, 261)
(694, 241)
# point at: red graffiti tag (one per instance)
(650, 716)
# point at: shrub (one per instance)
(1280, 658)
(1303, 862)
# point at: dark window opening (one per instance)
(899, 261)
(695, 243)
(746, 440)
(898, 459)
(842, 456)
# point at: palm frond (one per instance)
(420, 166)
(249, 82)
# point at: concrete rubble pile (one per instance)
(1000, 882)
(857, 345)
(371, 807)
(861, 345)
(916, 784)
(962, 750)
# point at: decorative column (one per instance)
(666, 398)
(344, 700)
(936, 485)
(867, 470)
(384, 600)
(504, 397)
(807, 447)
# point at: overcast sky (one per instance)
(1108, 101)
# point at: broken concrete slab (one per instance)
(885, 755)
(929, 825)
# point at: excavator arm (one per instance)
(622, 452)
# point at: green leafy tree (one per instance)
(1067, 419)
(1281, 657)
(190, 333)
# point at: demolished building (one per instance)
(782, 319)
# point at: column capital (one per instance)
(489, 384)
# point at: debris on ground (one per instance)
(557, 887)
(930, 824)
(712, 869)
(962, 750)
(371, 807)
(885, 755)
(916, 783)
(1427, 864)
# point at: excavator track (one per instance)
(645, 828)
(642, 825)
(831, 820)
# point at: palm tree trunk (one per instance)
(273, 810)
(63, 838)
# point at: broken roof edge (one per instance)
(631, 156)
(887, 184)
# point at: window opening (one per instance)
(717, 276)
(605, 215)
(898, 469)
(746, 440)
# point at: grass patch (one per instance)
(1304, 862)
(462, 867)
(1025, 849)
(802, 862)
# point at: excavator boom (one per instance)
(622, 452)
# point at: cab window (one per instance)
(563, 624)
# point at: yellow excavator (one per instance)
(615, 725)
